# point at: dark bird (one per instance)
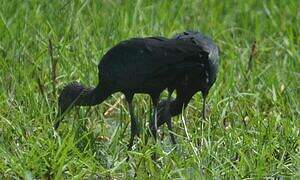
(141, 65)
(199, 80)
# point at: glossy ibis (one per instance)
(139, 65)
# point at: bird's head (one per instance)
(69, 97)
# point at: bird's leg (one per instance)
(154, 128)
(153, 124)
(169, 124)
(167, 116)
(134, 123)
(204, 105)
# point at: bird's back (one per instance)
(141, 64)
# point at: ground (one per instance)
(252, 129)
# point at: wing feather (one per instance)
(150, 61)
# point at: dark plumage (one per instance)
(201, 80)
(141, 65)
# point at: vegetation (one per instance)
(253, 123)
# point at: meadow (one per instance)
(252, 127)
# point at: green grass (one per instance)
(253, 125)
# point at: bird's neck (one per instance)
(90, 97)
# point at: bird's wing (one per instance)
(150, 61)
